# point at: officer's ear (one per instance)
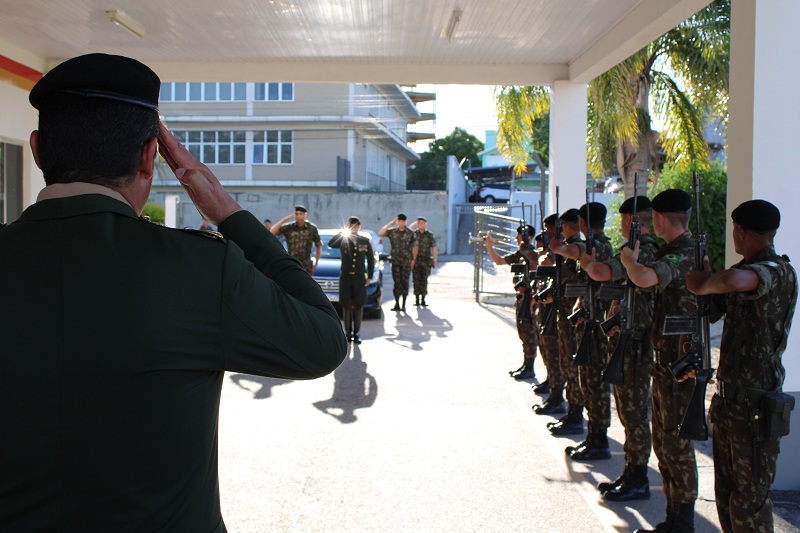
(35, 147)
(148, 160)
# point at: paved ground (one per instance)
(422, 430)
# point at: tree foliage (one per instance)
(430, 172)
(156, 212)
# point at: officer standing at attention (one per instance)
(300, 236)
(402, 242)
(633, 395)
(423, 259)
(129, 326)
(527, 257)
(758, 297)
(596, 392)
(356, 252)
(676, 460)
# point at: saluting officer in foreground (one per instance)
(758, 297)
(356, 252)
(117, 331)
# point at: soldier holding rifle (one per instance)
(749, 412)
(524, 257)
(632, 395)
(676, 460)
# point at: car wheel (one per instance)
(488, 200)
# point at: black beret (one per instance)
(530, 230)
(597, 212)
(757, 215)
(100, 76)
(301, 208)
(402, 216)
(422, 219)
(354, 220)
(672, 201)
(570, 215)
(539, 237)
(550, 220)
(642, 204)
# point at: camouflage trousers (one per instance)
(421, 272)
(676, 460)
(743, 469)
(548, 347)
(527, 334)
(566, 349)
(307, 263)
(401, 271)
(596, 392)
(631, 398)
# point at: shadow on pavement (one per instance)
(353, 388)
(260, 386)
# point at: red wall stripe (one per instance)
(18, 69)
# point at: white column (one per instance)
(762, 162)
(568, 122)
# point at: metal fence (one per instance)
(502, 222)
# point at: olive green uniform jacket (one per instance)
(116, 333)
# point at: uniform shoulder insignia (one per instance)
(205, 233)
(145, 218)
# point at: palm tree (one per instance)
(685, 72)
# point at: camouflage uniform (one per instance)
(632, 396)
(299, 240)
(753, 340)
(596, 393)
(676, 460)
(422, 267)
(527, 333)
(566, 333)
(402, 244)
(548, 347)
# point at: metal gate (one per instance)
(502, 222)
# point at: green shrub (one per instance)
(155, 212)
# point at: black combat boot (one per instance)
(588, 442)
(596, 448)
(397, 304)
(667, 525)
(557, 422)
(542, 388)
(572, 424)
(526, 372)
(634, 486)
(403, 307)
(684, 519)
(513, 373)
(422, 302)
(553, 405)
(606, 486)
(417, 302)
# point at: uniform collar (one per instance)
(77, 205)
(78, 188)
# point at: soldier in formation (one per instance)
(300, 236)
(424, 257)
(402, 240)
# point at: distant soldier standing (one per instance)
(758, 296)
(676, 460)
(300, 236)
(423, 259)
(402, 242)
(633, 394)
(356, 252)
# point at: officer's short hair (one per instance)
(354, 221)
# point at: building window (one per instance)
(274, 92)
(203, 92)
(273, 147)
(215, 147)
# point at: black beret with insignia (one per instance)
(757, 215)
(550, 220)
(642, 204)
(402, 216)
(422, 219)
(301, 208)
(570, 215)
(100, 76)
(672, 201)
(597, 212)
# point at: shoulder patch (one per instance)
(671, 258)
(205, 233)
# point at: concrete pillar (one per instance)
(568, 122)
(762, 140)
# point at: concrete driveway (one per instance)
(420, 429)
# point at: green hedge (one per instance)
(155, 212)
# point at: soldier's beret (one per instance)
(570, 215)
(672, 201)
(100, 76)
(757, 215)
(642, 204)
(402, 216)
(526, 229)
(596, 210)
(422, 219)
(539, 237)
(354, 220)
(301, 208)
(550, 220)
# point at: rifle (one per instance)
(614, 372)
(698, 355)
(586, 291)
(553, 273)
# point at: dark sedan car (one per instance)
(327, 275)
